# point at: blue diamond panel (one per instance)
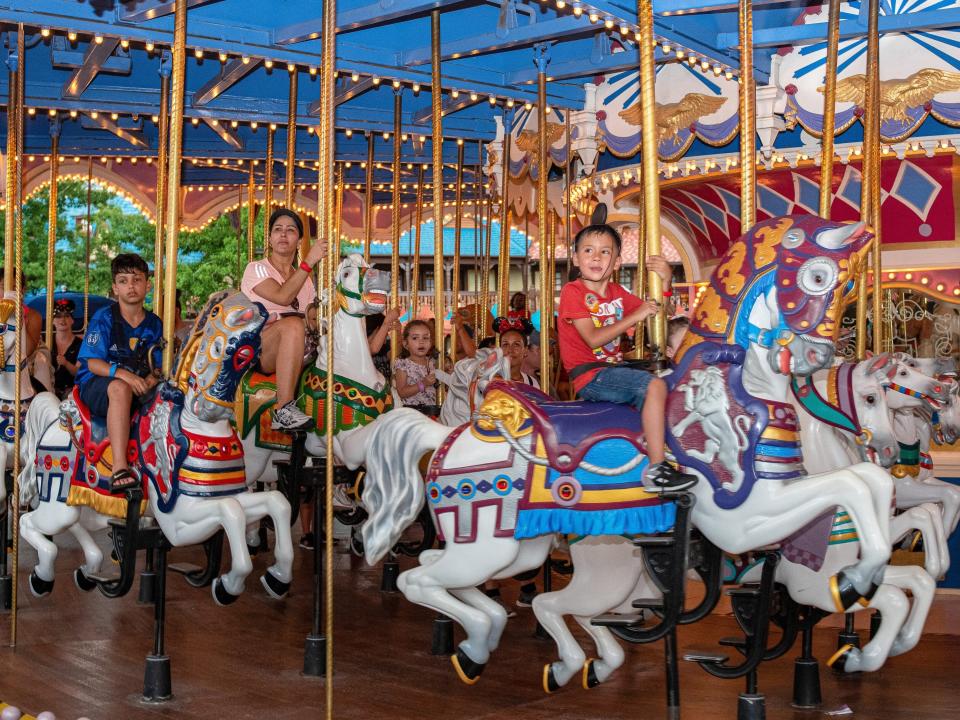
(808, 193)
(730, 201)
(484, 487)
(693, 216)
(771, 203)
(914, 187)
(712, 212)
(851, 189)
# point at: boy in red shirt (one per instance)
(594, 313)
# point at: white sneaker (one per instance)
(289, 418)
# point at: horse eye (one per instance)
(903, 373)
(871, 399)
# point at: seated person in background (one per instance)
(181, 327)
(413, 372)
(594, 312)
(66, 347)
(285, 290)
(39, 365)
(114, 370)
(676, 329)
(514, 346)
(379, 327)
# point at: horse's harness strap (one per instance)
(911, 393)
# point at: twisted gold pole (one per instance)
(52, 229)
(748, 121)
(503, 256)
(327, 224)
(290, 181)
(829, 110)
(368, 214)
(458, 229)
(251, 212)
(395, 222)
(436, 95)
(173, 183)
(268, 193)
(86, 269)
(650, 163)
(338, 214)
(543, 236)
(13, 107)
(163, 142)
(568, 209)
(870, 183)
(415, 281)
(15, 196)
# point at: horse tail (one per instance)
(393, 487)
(43, 412)
(742, 429)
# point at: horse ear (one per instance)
(599, 214)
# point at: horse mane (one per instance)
(189, 350)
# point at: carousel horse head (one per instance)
(942, 368)
(947, 423)
(219, 354)
(361, 289)
(781, 287)
(915, 388)
(470, 378)
(877, 440)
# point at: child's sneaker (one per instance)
(290, 418)
(666, 477)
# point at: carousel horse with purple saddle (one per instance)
(189, 456)
(502, 486)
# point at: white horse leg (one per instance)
(911, 492)
(193, 520)
(776, 510)
(46, 549)
(92, 554)
(606, 570)
(272, 503)
(491, 608)
(610, 654)
(457, 567)
(923, 589)
(893, 605)
(920, 519)
(881, 487)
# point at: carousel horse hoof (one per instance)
(845, 595)
(589, 678)
(838, 662)
(221, 596)
(82, 581)
(277, 589)
(40, 587)
(550, 684)
(468, 670)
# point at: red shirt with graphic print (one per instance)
(577, 301)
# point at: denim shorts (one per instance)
(621, 385)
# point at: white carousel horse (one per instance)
(609, 572)
(360, 390)
(502, 486)
(189, 454)
(8, 335)
(920, 402)
(467, 383)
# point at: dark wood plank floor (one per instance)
(82, 654)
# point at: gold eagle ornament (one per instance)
(674, 117)
(899, 94)
(527, 140)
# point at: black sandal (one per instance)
(123, 480)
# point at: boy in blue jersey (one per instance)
(114, 360)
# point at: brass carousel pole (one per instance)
(649, 164)
(338, 214)
(163, 140)
(543, 237)
(86, 269)
(869, 185)
(436, 95)
(251, 213)
(368, 215)
(13, 280)
(415, 281)
(503, 255)
(748, 121)
(458, 228)
(829, 111)
(13, 107)
(173, 183)
(326, 227)
(52, 228)
(395, 221)
(487, 267)
(477, 234)
(290, 186)
(268, 191)
(568, 210)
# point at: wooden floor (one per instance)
(83, 655)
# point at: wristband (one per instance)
(306, 268)
(420, 386)
(113, 369)
(668, 293)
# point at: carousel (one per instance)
(644, 316)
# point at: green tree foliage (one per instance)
(208, 259)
